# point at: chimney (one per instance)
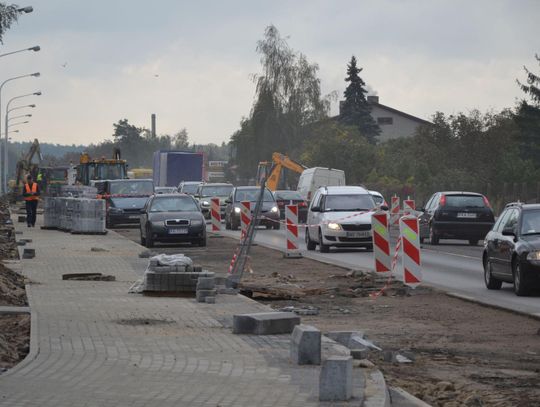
(373, 100)
(153, 125)
(341, 102)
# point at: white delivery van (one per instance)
(316, 177)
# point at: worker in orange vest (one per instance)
(31, 197)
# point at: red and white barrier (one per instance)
(381, 242)
(245, 218)
(410, 246)
(394, 210)
(409, 207)
(291, 219)
(215, 215)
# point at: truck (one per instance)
(100, 169)
(172, 167)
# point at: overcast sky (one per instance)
(190, 62)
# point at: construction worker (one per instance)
(31, 197)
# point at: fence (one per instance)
(498, 194)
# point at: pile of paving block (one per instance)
(176, 274)
(75, 215)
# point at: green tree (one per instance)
(355, 109)
(180, 140)
(8, 15)
(528, 116)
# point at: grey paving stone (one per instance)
(336, 379)
(305, 345)
(265, 323)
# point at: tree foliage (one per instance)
(355, 109)
(8, 15)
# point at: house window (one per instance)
(385, 120)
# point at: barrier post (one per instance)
(381, 242)
(394, 210)
(245, 218)
(409, 207)
(291, 219)
(410, 254)
(215, 215)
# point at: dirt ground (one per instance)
(464, 354)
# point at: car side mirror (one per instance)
(315, 209)
(228, 200)
(384, 207)
(509, 232)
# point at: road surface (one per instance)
(452, 266)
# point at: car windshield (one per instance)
(465, 201)
(352, 202)
(288, 195)
(132, 188)
(190, 188)
(174, 204)
(165, 190)
(378, 199)
(252, 195)
(530, 223)
(216, 190)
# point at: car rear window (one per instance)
(288, 195)
(465, 201)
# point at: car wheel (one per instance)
(108, 223)
(234, 226)
(310, 244)
(268, 227)
(369, 248)
(143, 240)
(520, 283)
(433, 237)
(473, 242)
(277, 226)
(149, 239)
(491, 282)
(323, 248)
(227, 224)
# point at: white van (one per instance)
(316, 177)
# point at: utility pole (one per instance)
(153, 125)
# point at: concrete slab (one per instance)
(305, 345)
(265, 323)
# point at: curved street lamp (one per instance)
(16, 124)
(34, 48)
(18, 117)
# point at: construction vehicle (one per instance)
(140, 173)
(25, 166)
(101, 169)
(271, 170)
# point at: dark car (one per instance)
(456, 215)
(512, 249)
(188, 187)
(205, 192)
(284, 198)
(125, 198)
(269, 216)
(172, 218)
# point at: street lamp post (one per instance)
(6, 133)
(36, 75)
(35, 49)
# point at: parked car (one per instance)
(189, 187)
(334, 219)
(269, 216)
(313, 178)
(284, 198)
(205, 192)
(378, 198)
(165, 190)
(172, 218)
(124, 199)
(512, 249)
(456, 215)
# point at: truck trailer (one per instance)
(172, 167)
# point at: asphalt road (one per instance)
(453, 266)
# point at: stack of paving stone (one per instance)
(65, 206)
(206, 289)
(88, 216)
(180, 278)
(78, 191)
(51, 215)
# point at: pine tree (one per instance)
(355, 110)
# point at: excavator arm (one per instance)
(279, 162)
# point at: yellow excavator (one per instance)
(25, 166)
(273, 169)
(99, 169)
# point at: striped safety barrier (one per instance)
(245, 218)
(381, 242)
(394, 210)
(409, 207)
(215, 215)
(410, 250)
(291, 219)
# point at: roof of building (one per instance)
(399, 112)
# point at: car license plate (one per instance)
(364, 233)
(133, 216)
(467, 215)
(178, 231)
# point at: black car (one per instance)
(172, 218)
(456, 215)
(205, 192)
(124, 199)
(284, 198)
(512, 249)
(269, 216)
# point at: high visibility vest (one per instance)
(27, 190)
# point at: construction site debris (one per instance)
(98, 249)
(88, 277)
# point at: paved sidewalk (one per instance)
(93, 344)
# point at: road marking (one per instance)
(453, 254)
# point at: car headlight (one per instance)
(534, 257)
(196, 222)
(274, 209)
(334, 226)
(116, 210)
(237, 210)
(205, 203)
